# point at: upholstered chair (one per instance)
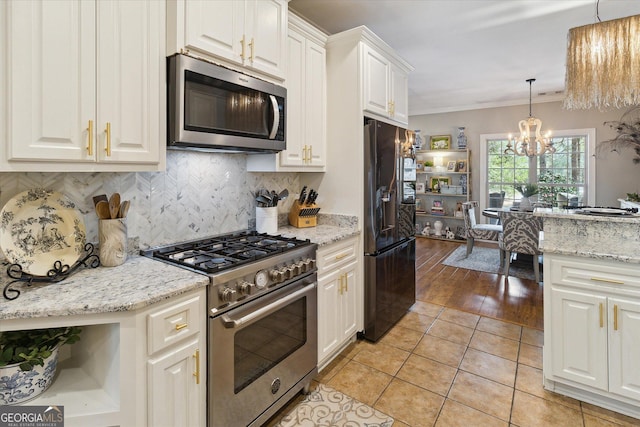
(520, 234)
(475, 231)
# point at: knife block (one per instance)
(302, 216)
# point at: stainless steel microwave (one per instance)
(214, 108)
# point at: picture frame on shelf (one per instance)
(451, 166)
(436, 181)
(420, 187)
(440, 142)
(461, 166)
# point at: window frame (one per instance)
(590, 162)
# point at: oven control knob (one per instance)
(286, 273)
(295, 270)
(302, 267)
(227, 294)
(311, 264)
(277, 276)
(246, 288)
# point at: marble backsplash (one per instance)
(199, 194)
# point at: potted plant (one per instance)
(526, 190)
(633, 197)
(428, 164)
(28, 361)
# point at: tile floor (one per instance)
(444, 367)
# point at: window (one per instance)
(566, 177)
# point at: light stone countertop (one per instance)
(139, 282)
(598, 237)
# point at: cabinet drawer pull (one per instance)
(598, 279)
(615, 317)
(339, 257)
(108, 135)
(90, 135)
(304, 155)
(242, 53)
(180, 326)
(197, 372)
(251, 47)
(346, 282)
(310, 154)
(601, 315)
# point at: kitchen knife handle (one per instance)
(90, 135)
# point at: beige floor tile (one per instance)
(532, 411)
(360, 382)
(489, 366)
(332, 369)
(608, 415)
(459, 317)
(529, 380)
(454, 414)
(426, 308)
(591, 421)
(410, 404)
(427, 374)
(451, 332)
(401, 337)
(498, 327)
(532, 336)
(530, 355)
(495, 344)
(482, 394)
(353, 348)
(415, 321)
(440, 350)
(382, 357)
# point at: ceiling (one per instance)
(471, 54)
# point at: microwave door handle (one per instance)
(276, 117)
(230, 323)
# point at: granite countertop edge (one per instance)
(138, 283)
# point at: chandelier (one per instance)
(603, 65)
(530, 142)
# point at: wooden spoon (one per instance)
(97, 198)
(114, 205)
(124, 208)
(102, 209)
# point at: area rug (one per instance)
(487, 260)
(325, 406)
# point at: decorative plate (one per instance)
(39, 227)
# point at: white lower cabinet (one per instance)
(592, 331)
(339, 298)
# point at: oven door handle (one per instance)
(276, 117)
(230, 323)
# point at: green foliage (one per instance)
(31, 347)
(428, 163)
(633, 197)
(527, 190)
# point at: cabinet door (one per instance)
(174, 395)
(293, 155)
(266, 35)
(399, 94)
(376, 82)
(624, 347)
(215, 27)
(349, 301)
(315, 104)
(51, 75)
(579, 337)
(131, 69)
(329, 309)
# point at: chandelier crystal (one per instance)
(603, 65)
(530, 142)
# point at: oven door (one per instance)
(261, 350)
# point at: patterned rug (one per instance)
(325, 406)
(487, 260)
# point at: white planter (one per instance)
(18, 386)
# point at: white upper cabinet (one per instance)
(385, 86)
(306, 105)
(247, 33)
(75, 69)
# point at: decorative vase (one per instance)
(437, 227)
(418, 141)
(462, 139)
(525, 204)
(18, 386)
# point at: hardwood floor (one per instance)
(513, 300)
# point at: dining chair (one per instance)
(477, 231)
(520, 234)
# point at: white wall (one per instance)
(616, 173)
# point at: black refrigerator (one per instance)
(389, 242)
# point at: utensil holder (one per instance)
(267, 220)
(112, 237)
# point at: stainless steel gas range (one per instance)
(262, 325)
